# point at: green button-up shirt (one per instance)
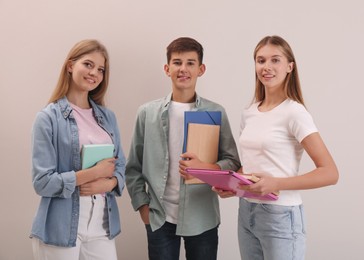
(147, 169)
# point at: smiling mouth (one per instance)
(183, 77)
(92, 81)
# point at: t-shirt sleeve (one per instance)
(302, 123)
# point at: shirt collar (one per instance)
(168, 99)
(66, 108)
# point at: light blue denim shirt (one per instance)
(55, 159)
(147, 169)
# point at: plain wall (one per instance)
(327, 38)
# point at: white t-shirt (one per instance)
(175, 144)
(270, 143)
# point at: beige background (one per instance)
(326, 36)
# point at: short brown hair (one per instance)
(185, 44)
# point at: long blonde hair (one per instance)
(292, 86)
(64, 82)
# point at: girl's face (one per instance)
(272, 66)
(87, 72)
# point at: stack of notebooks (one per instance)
(202, 133)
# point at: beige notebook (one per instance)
(203, 140)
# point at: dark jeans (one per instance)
(164, 244)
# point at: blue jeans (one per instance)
(271, 232)
(164, 244)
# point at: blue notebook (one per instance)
(200, 117)
(93, 153)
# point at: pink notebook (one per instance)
(228, 180)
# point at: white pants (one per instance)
(92, 240)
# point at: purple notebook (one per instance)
(228, 180)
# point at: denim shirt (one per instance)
(147, 169)
(55, 159)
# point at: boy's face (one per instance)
(184, 69)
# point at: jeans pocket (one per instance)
(303, 220)
(276, 209)
(273, 219)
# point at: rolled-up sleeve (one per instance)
(121, 161)
(47, 181)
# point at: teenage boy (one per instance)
(169, 208)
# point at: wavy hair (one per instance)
(80, 49)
